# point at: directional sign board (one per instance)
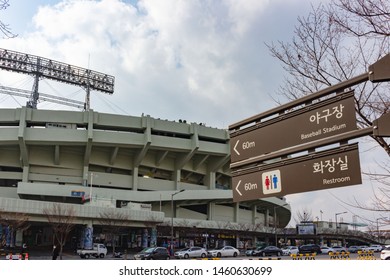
(77, 193)
(322, 170)
(333, 116)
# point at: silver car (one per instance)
(339, 249)
(290, 250)
(192, 252)
(226, 251)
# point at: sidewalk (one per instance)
(45, 253)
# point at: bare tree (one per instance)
(4, 28)
(362, 18)
(304, 216)
(152, 223)
(61, 218)
(15, 221)
(323, 53)
(334, 43)
(113, 221)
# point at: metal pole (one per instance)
(377, 228)
(337, 229)
(172, 214)
(276, 234)
(170, 245)
(90, 191)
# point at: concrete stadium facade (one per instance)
(137, 166)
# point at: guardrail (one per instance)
(366, 255)
(306, 256)
(339, 255)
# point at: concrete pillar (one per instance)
(177, 178)
(153, 237)
(88, 236)
(236, 212)
(85, 176)
(210, 211)
(254, 214)
(266, 217)
(210, 180)
(26, 170)
(135, 178)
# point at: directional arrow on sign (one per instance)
(235, 147)
(239, 182)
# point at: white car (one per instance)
(375, 248)
(290, 250)
(192, 252)
(326, 250)
(339, 249)
(226, 251)
(385, 253)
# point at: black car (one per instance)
(268, 251)
(153, 253)
(309, 248)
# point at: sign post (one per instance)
(263, 147)
(333, 168)
(323, 119)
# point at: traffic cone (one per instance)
(26, 256)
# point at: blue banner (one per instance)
(88, 238)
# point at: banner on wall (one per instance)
(145, 236)
(88, 238)
(153, 237)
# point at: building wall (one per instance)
(122, 159)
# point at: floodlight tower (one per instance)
(40, 67)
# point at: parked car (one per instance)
(339, 249)
(192, 252)
(385, 253)
(309, 248)
(153, 253)
(226, 251)
(326, 250)
(375, 247)
(289, 250)
(256, 251)
(269, 251)
(353, 249)
(249, 251)
(363, 248)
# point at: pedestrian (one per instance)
(55, 252)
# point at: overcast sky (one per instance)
(202, 61)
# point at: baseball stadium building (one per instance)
(155, 180)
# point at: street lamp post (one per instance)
(377, 228)
(276, 234)
(172, 214)
(337, 229)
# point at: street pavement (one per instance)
(43, 255)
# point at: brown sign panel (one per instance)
(322, 170)
(323, 119)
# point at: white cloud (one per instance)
(165, 55)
